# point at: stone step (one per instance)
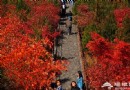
(70, 51)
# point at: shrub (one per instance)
(86, 35)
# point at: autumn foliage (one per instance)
(25, 58)
(120, 15)
(85, 17)
(45, 13)
(112, 61)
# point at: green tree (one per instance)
(86, 34)
(109, 28)
(126, 30)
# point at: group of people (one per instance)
(68, 1)
(63, 5)
(78, 84)
(75, 85)
(69, 15)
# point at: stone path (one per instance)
(71, 51)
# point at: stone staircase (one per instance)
(69, 49)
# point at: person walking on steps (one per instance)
(71, 2)
(53, 85)
(63, 1)
(63, 10)
(68, 26)
(74, 86)
(59, 87)
(70, 16)
(80, 80)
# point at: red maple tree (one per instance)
(120, 15)
(84, 17)
(24, 58)
(112, 61)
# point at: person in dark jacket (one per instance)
(68, 26)
(63, 10)
(70, 15)
(59, 87)
(53, 85)
(74, 86)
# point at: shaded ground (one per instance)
(69, 49)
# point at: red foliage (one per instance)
(44, 17)
(85, 16)
(26, 60)
(120, 15)
(82, 9)
(113, 61)
(46, 12)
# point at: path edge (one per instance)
(81, 55)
